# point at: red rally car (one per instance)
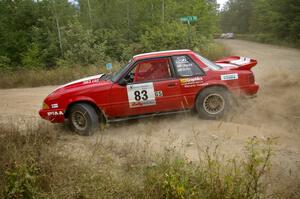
(152, 84)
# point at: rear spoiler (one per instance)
(242, 63)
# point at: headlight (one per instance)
(45, 106)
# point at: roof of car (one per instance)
(161, 53)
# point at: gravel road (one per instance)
(274, 113)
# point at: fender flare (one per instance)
(86, 100)
(212, 84)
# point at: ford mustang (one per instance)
(152, 84)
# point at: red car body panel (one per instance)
(174, 93)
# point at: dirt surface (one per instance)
(274, 113)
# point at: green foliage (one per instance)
(32, 58)
(116, 46)
(37, 34)
(212, 177)
(23, 162)
(172, 182)
(276, 18)
(81, 46)
(24, 23)
(176, 35)
(236, 16)
(21, 182)
(161, 38)
(4, 63)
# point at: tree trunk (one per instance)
(90, 15)
(59, 35)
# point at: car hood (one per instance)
(79, 83)
(83, 81)
(79, 87)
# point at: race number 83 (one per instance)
(141, 95)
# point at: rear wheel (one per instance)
(213, 103)
(84, 119)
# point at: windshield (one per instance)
(117, 74)
(211, 65)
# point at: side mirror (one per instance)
(122, 82)
(127, 79)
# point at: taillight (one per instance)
(251, 79)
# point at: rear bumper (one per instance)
(53, 115)
(248, 90)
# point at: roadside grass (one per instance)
(39, 77)
(61, 75)
(215, 51)
(33, 165)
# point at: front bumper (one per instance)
(53, 115)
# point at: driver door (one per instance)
(151, 87)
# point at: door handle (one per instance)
(172, 84)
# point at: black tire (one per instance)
(84, 119)
(213, 103)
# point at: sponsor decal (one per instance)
(191, 79)
(91, 81)
(159, 94)
(140, 95)
(55, 113)
(191, 82)
(142, 103)
(181, 60)
(54, 105)
(229, 76)
(183, 66)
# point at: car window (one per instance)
(185, 67)
(208, 63)
(117, 74)
(151, 70)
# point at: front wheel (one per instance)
(84, 119)
(212, 103)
